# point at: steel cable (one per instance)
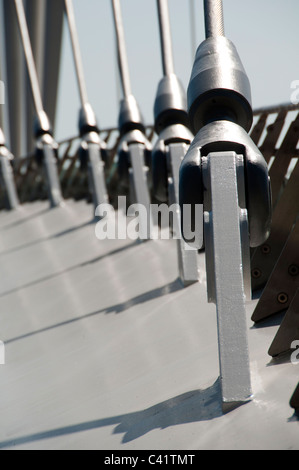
(121, 49)
(165, 35)
(33, 78)
(69, 9)
(214, 21)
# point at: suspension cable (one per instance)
(25, 38)
(121, 49)
(192, 28)
(70, 14)
(165, 36)
(214, 21)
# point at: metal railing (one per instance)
(270, 131)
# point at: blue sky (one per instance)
(265, 33)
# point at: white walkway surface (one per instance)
(106, 350)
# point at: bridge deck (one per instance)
(106, 350)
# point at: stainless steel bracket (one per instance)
(49, 162)
(7, 178)
(139, 187)
(187, 256)
(95, 168)
(228, 269)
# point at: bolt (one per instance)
(293, 270)
(256, 273)
(282, 298)
(266, 249)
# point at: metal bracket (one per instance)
(49, 162)
(228, 269)
(187, 256)
(7, 179)
(95, 167)
(138, 174)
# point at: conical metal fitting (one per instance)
(171, 103)
(219, 88)
(42, 125)
(87, 120)
(130, 116)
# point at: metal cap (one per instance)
(170, 104)
(42, 125)
(219, 88)
(130, 117)
(87, 120)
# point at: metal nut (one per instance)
(266, 249)
(282, 298)
(256, 273)
(293, 270)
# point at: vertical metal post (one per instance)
(46, 145)
(234, 189)
(224, 217)
(91, 147)
(134, 145)
(187, 256)
(172, 126)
